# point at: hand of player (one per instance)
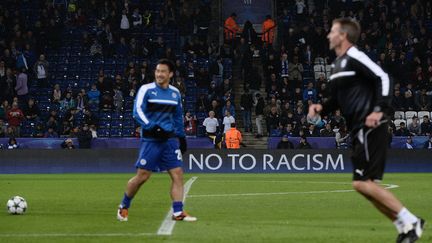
(314, 110)
(183, 145)
(372, 120)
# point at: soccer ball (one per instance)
(16, 205)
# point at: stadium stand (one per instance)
(115, 47)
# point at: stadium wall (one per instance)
(204, 161)
(197, 143)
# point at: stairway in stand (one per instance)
(249, 138)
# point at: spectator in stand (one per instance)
(136, 19)
(414, 127)
(15, 116)
(118, 99)
(12, 143)
(93, 95)
(81, 100)
(65, 128)
(312, 131)
(96, 49)
(202, 78)
(211, 125)
(67, 103)
(285, 143)
(124, 23)
(409, 144)
(51, 133)
(179, 84)
(398, 102)
(295, 70)
(3, 128)
(409, 101)
(56, 94)
(189, 122)
(310, 93)
(214, 106)
(327, 131)
(52, 122)
(337, 120)
(402, 131)
(227, 121)
(272, 120)
(229, 107)
(249, 34)
(40, 69)
(342, 137)
(246, 105)
(423, 101)
(85, 137)
(8, 85)
(426, 126)
(122, 49)
(428, 143)
(21, 87)
(259, 113)
(31, 111)
(90, 118)
(4, 108)
(67, 144)
(303, 144)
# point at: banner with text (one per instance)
(205, 161)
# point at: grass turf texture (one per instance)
(80, 204)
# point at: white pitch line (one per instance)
(168, 224)
(387, 186)
(76, 235)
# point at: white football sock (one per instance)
(399, 225)
(407, 218)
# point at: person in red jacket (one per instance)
(15, 117)
(231, 28)
(268, 30)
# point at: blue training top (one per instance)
(156, 106)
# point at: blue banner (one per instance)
(205, 161)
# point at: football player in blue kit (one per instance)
(158, 109)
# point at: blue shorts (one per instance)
(159, 155)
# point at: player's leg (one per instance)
(369, 156)
(409, 227)
(135, 183)
(176, 175)
(145, 164)
(172, 161)
(381, 198)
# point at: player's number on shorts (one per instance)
(179, 155)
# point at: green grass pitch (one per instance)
(230, 208)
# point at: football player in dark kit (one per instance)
(361, 90)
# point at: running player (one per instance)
(362, 90)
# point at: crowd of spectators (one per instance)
(107, 29)
(395, 34)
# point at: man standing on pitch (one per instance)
(362, 90)
(159, 111)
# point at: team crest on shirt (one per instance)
(343, 63)
(174, 95)
(143, 161)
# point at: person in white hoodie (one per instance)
(124, 23)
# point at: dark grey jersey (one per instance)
(357, 87)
